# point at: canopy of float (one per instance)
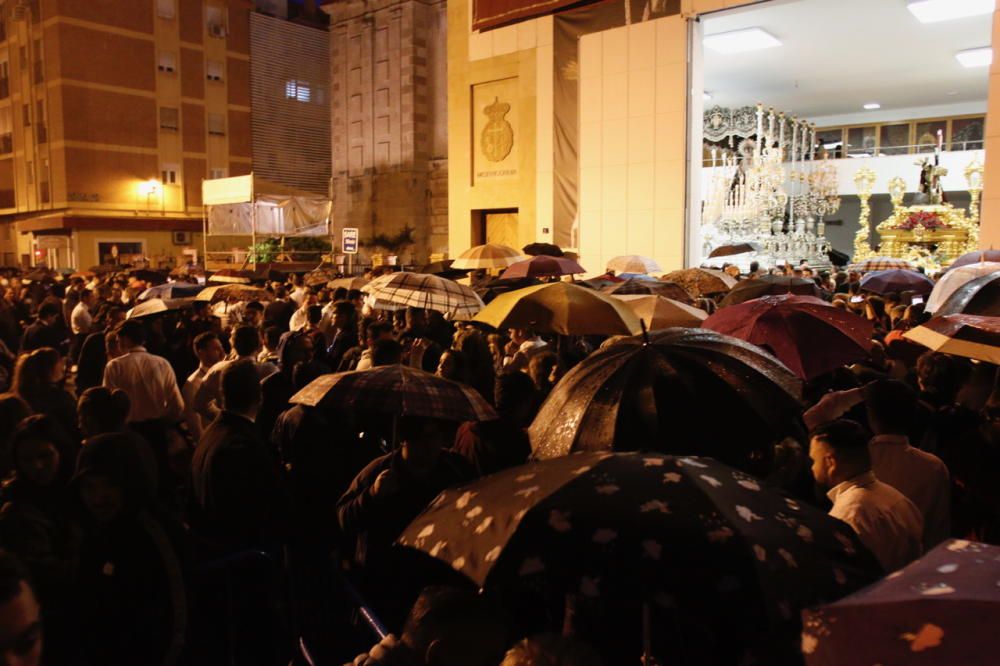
(252, 206)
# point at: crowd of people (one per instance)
(164, 501)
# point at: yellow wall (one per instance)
(989, 233)
(158, 243)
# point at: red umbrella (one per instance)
(897, 279)
(975, 258)
(542, 266)
(808, 335)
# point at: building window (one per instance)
(165, 8)
(6, 131)
(216, 24)
(216, 124)
(217, 173)
(40, 131)
(214, 70)
(26, 114)
(4, 80)
(167, 62)
(30, 169)
(300, 91)
(168, 174)
(39, 65)
(169, 118)
(22, 56)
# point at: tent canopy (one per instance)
(250, 205)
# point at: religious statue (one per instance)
(930, 191)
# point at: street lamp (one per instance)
(149, 188)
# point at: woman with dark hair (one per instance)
(12, 411)
(479, 360)
(102, 410)
(35, 518)
(132, 598)
(38, 380)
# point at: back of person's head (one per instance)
(514, 395)
(386, 352)
(848, 442)
(102, 410)
(540, 368)
(241, 387)
(280, 292)
(125, 461)
(445, 623)
(13, 409)
(891, 405)
(48, 310)
(314, 314)
(203, 340)
(133, 332)
(246, 340)
(32, 372)
(550, 650)
(378, 330)
(340, 294)
(272, 336)
(21, 629)
(941, 376)
(256, 306)
(354, 294)
(304, 373)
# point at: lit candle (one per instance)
(940, 134)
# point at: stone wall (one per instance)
(387, 63)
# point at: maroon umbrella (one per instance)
(542, 266)
(975, 258)
(980, 296)
(896, 280)
(940, 609)
(808, 335)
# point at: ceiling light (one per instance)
(871, 106)
(705, 96)
(934, 11)
(981, 57)
(740, 41)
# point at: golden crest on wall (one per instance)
(497, 138)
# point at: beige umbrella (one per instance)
(560, 307)
(347, 283)
(491, 255)
(633, 263)
(658, 312)
(701, 281)
(395, 291)
(233, 293)
(972, 336)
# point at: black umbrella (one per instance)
(539, 249)
(649, 287)
(838, 258)
(769, 285)
(980, 296)
(734, 249)
(444, 269)
(723, 564)
(494, 288)
(686, 390)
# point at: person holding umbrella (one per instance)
(885, 520)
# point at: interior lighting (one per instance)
(149, 187)
(705, 96)
(741, 41)
(935, 11)
(981, 57)
(871, 106)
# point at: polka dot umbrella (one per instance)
(723, 564)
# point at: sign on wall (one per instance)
(495, 130)
(349, 240)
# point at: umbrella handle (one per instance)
(645, 332)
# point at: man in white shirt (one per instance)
(921, 476)
(299, 293)
(208, 349)
(208, 396)
(524, 343)
(148, 380)
(887, 523)
(81, 320)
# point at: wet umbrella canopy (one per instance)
(980, 296)
(769, 285)
(941, 609)
(667, 396)
(648, 287)
(701, 281)
(885, 282)
(725, 564)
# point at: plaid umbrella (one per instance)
(701, 281)
(769, 285)
(171, 290)
(941, 609)
(232, 276)
(347, 283)
(634, 286)
(445, 269)
(897, 279)
(879, 264)
(633, 263)
(808, 335)
(980, 296)
(233, 293)
(976, 257)
(560, 307)
(491, 255)
(542, 266)
(711, 550)
(953, 279)
(972, 336)
(155, 306)
(658, 312)
(418, 290)
(320, 276)
(398, 390)
(667, 392)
